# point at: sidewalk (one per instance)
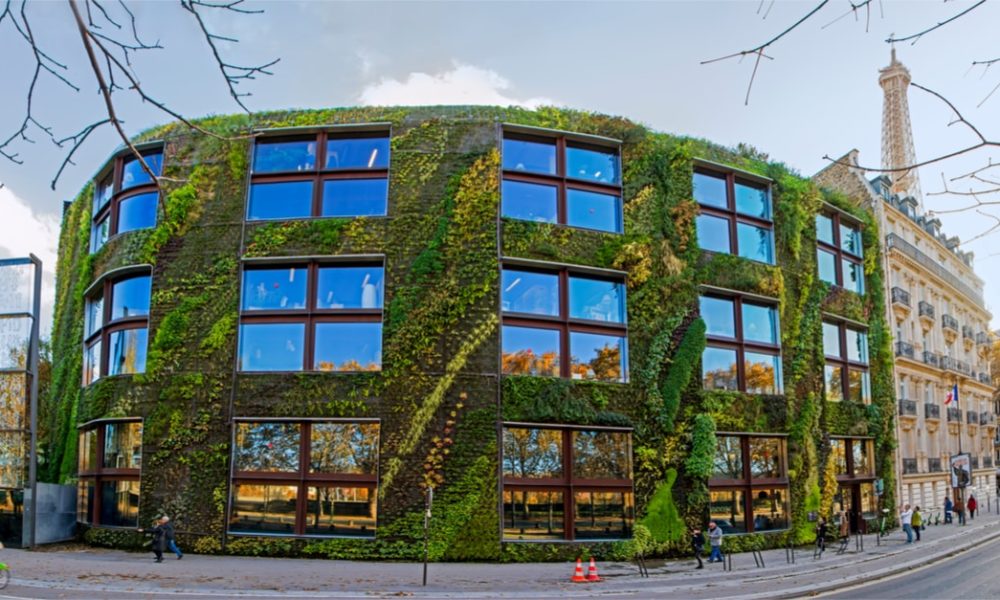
(95, 573)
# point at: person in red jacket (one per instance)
(972, 506)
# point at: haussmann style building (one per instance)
(578, 331)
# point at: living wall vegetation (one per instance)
(439, 395)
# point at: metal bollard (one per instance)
(758, 558)
(790, 554)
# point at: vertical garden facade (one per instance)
(583, 334)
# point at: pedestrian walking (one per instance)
(973, 505)
(905, 517)
(948, 506)
(159, 539)
(715, 541)
(960, 511)
(917, 522)
(698, 546)
(821, 535)
(168, 533)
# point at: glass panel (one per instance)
(591, 164)
(726, 510)
(752, 201)
(138, 212)
(133, 173)
(826, 264)
(601, 455)
(833, 376)
(718, 314)
(530, 351)
(350, 287)
(275, 289)
(355, 197)
(357, 153)
(277, 156)
(92, 363)
(528, 201)
(261, 508)
(281, 200)
(770, 509)
(728, 458)
(530, 292)
(713, 233)
(755, 243)
(534, 453)
(857, 382)
(348, 347)
(100, 233)
(13, 400)
(123, 445)
(603, 515)
(763, 373)
(710, 190)
(760, 323)
(272, 346)
(592, 210)
(831, 340)
(854, 276)
(119, 504)
(12, 465)
(84, 500)
(15, 336)
(87, 451)
(598, 357)
(766, 458)
(824, 229)
(861, 451)
(843, 500)
(850, 240)
(869, 501)
(838, 447)
(596, 299)
(267, 447)
(718, 369)
(103, 190)
(533, 515)
(93, 315)
(344, 448)
(529, 156)
(127, 352)
(857, 346)
(130, 298)
(348, 511)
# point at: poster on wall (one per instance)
(961, 470)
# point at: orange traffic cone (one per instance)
(592, 571)
(578, 575)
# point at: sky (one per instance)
(816, 95)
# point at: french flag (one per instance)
(952, 397)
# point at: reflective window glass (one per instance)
(592, 164)
(92, 363)
(755, 243)
(133, 173)
(263, 508)
(130, 298)
(869, 501)
(601, 455)
(280, 200)
(275, 289)
(718, 314)
(123, 445)
(528, 201)
(833, 375)
(726, 509)
(355, 197)
(603, 515)
(529, 156)
(84, 500)
(752, 201)
(13, 390)
(138, 212)
(760, 323)
(93, 315)
(530, 292)
(858, 385)
(854, 276)
(763, 373)
(766, 458)
(861, 451)
(857, 346)
(770, 509)
(713, 233)
(272, 346)
(357, 153)
(341, 511)
(13, 469)
(728, 463)
(824, 229)
(838, 447)
(103, 191)
(348, 347)
(710, 190)
(718, 369)
(598, 357)
(87, 455)
(100, 233)
(127, 351)
(350, 287)
(850, 240)
(593, 210)
(532, 453)
(831, 340)
(596, 299)
(826, 264)
(533, 515)
(119, 503)
(271, 156)
(267, 447)
(350, 448)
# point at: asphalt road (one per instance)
(969, 575)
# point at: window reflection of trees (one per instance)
(728, 458)
(766, 458)
(601, 455)
(344, 448)
(532, 452)
(267, 447)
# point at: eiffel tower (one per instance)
(897, 134)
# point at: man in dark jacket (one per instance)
(159, 539)
(168, 534)
(698, 546)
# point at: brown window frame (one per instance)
(562, 322)
(747, 483)
(731, 215)
(740, 344)
(103, 333)
(110, 210)
(310, 316)
(839, 254)
(849, 442)
(567, 484)
(561, 180)
(301, 478)
(99, 475)
(319, 173)
(845, 363)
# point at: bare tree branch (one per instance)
(77, 140)
(866, 4)
(916, 36)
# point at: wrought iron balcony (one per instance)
(900, 296)
(933, 465)
(948, 362)
(904, 349)
(908, 407)
(984, 418)
(968, 333)
(984, 377)
(932, 411)
(975, 462)
(932, 358)
(893, 241)
(963, 367)
(949, 322)
(982, 339)
(972, 417)
(987, 461)
(925, 309)
(909, 466)
(955, 415)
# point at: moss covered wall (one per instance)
(441, 334)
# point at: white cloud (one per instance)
(463, 84)
(23, 232)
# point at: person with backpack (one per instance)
(698, 546)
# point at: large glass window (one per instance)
(853, 458)
(125, 197)
(567, 483)
(312, 316)
(563, 324)
(351, 180)
(846, 373)
(749, 478)
(109, 463)
(581, 190)
(735, 215)
(305, 478)
(116, 322)
(839, 255)
(743, 349)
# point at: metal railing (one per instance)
(987, 461)
(908, 407)
(900, 296)
(949, 322)
(909, 466)
(904, 349)
(982, 339)
(955, 415)
(968, 332)
(932, 411)
(894, 241)
(925, 309)
(975, 462)
(932, 358)
(972, 417)
(933, 465)
(963, 367)
(984, 377)
(984, 418)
